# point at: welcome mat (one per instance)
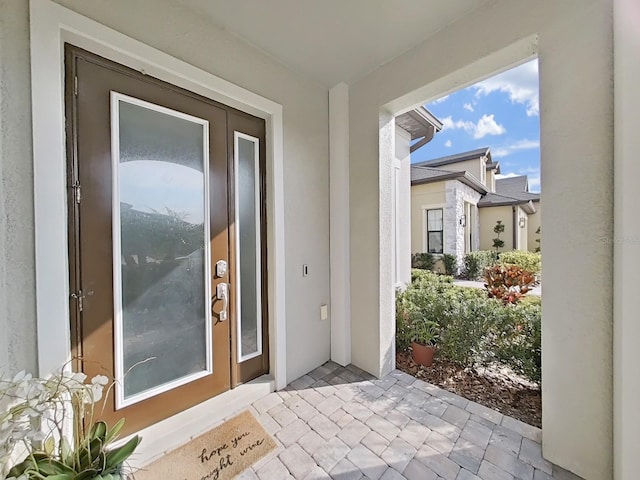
(220, 454)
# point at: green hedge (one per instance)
(476, 262)
(423, 261)
(529, 261)
(450, 264)
(474, 330)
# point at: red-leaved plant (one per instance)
(508, 283)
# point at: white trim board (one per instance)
(51, 26)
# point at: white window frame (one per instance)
(51, 26)
(118, 315)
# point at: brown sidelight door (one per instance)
(250, 346)
(148, 238)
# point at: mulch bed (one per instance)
(493, 387)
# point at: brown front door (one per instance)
(152, 267)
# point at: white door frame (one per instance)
(51, 26)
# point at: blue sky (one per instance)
(500, 112)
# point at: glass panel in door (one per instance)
(248, 251)
(161, 250)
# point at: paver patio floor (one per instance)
(342, 423)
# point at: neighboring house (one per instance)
(519, 211)
(456, 201)
(444, 202)
(307, 91)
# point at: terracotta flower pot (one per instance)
(422, 354)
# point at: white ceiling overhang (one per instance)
(333, 41)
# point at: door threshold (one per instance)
(173, 432)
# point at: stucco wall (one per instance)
(626, 240)
(533, 222)
(488, 218)
(471, 166)
(187, 36)
(522, 234)
(17, 265)
(403, 235)
(573, 40)
(426, 195)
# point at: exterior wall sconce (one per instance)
(522, 221)
(463, 221)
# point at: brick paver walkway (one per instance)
(342, 423)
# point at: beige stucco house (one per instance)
(444, 202)
(456, 201)
(518, 210)
(306, 94)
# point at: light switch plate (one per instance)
(324, 312)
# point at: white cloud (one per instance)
(520, 83)
(485, 126)
(500, 152)
(468, 106)
(488, 126)
(440, 100)
(508, 175)
(505, 150)
(449, 124)
(448, 143)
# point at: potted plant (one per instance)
(47, 430)
(424, 334)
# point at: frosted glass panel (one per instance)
(248, 246)
(162, 272)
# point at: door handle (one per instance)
(222, 293)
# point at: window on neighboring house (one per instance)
(434, 231)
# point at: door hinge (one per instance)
(77, 191)
(75, 85)
(79, 297)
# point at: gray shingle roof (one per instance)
(420, 175)
(459, 157)
(511, 185)
(516, 187)
(510, 191)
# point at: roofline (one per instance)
(429, 117)
(462, 176)
(459, 157)
(511, 203)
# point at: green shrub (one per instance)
(473, 329)
(466, 328)
(498, 243)
(476, 262)
(518, 344)
(426, 275)
(529, 261)
(450, 264)
(423, 261)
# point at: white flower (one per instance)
(96, 393)
(99, 380)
